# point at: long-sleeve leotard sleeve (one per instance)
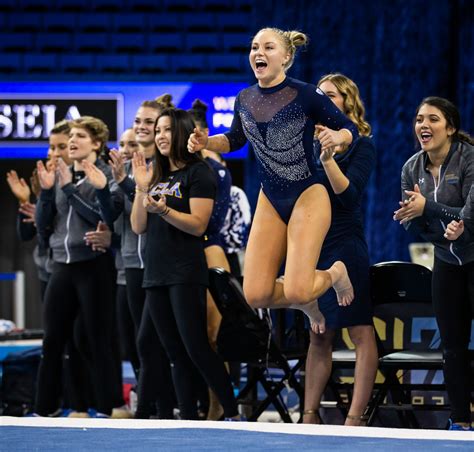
(236, 135)
(323, 111)
(358, 173)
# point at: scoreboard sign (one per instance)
(29, 109)
(28, 119)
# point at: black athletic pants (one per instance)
(453, 303)
(126, 330)
(93, 284)
(179, 315)
(155, 387)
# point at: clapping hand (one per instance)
(117, 164)
(64, 173)
(28, 210)
(329, 138)
(100, 239)
(94, 175)
(412, 207)
(46, 176)
(35, 185)
(141, 171)
(454, 230)
(155, 206)
(19, 187)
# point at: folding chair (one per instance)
(403, 289)
(246, 337)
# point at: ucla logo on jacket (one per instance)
(451, 178)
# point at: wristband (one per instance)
(139, 189)
(164, 213)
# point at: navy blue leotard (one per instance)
(279, 124)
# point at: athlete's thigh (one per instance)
(307, 228)
(266, 249)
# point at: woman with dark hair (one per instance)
(435, 186)
(153, 398)
(173, 204)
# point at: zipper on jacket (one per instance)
(451, 248)
(139, 250)
(68, 221)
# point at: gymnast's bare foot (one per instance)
(311, 309)
(317, 320)
(341, 283)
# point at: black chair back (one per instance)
(243, 335)
(400, 282)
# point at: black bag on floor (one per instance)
(19, 382)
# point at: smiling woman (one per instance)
(435, 188)
(82, 280)
(153, 368)
(173, 204)
(278, 115)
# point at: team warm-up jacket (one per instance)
(445, 199)
(64, 215)
(116, 207)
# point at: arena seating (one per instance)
(132, 37)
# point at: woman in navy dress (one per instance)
(345, 173)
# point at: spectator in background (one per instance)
(117, 206)
(435, 184)
(66, 210)
(235, 231)
(26, 228)
(213, 239)
(345, 173)
(173, 204)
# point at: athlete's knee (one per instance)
(321, 343)
(362, 335)
(258, 301)
(298, 293)
(258, 297)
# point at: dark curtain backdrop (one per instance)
(398, 52)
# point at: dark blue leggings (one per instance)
(179, 315)
(453, 304)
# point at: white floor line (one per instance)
(296, 429)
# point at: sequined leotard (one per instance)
(279, 124)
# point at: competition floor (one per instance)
(42, 434)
